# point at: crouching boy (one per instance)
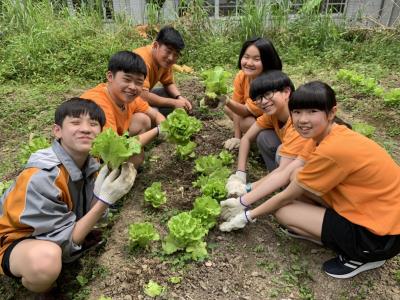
(54, 203)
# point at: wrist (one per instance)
(242, 201)
(102, 200)
(248, 187)
(249, 219)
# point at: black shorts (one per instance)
(5, 263)
(355, 241)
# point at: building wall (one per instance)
(368, 12)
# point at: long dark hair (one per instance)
(269, 56)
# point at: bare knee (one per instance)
(282, 215)
(47, 264)
(140, 123)
(245, 123)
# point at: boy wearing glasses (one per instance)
(159, 58)
(270, 92)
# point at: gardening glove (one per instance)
(236, 184)
(100, 179)
(160, 134)
(237, 222)
(232, 143)
(231, 207)
(117, 184)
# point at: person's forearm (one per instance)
(172, 90)
(148, 136)
(285, 197)
(243, 153)
(236, 126)
(87, 222)
(158, 101)
(159, 118)
(238, 108)
(266, 186)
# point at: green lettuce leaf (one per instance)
(141, 234)
(114, 149)
(154, 195)
(153, 289)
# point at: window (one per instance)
(334, 6)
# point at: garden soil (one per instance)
(255, 263)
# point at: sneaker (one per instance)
(340, 267)
(298, 236)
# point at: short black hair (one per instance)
(75, 107)
(313, 95)
(171, 37)
(274, 80)
(269, 56)
(128, 62)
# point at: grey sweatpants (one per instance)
(268, 143)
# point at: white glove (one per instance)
(231, 207)
(237, 222)
(161, 135)
(236, 184)
(100, 179)
(232, 143)
(116, 184)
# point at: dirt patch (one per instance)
(258, 262)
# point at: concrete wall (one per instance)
(368, 12)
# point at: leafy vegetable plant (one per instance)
(186, 151)
(226, 157)
(179, 127)
(34, 144)
(186, 232)
(207, 164)
(154, 195)
(141, 234)
(114, 149)
(361, 83)
(392, 97)
(206, 209)
(364, 129)
(215, 188)
(216, 82)
(153, 289)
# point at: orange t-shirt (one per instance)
(155, 74)
(357, 178)
(116, 118)
(292, 142)
(241, 93)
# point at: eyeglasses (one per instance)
(267, 96)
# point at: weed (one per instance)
(268, 265)
(259, 249)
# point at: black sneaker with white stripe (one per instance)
(341, 267)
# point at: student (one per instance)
(54, 203)
(120, 101)
(159, 58)
(270, 92)
(256, 56)
(119, 97)
(346, 195)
